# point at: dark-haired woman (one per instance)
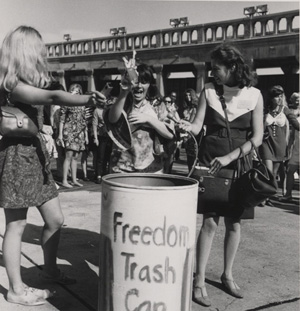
(244, 106)
(145, 153)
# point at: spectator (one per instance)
(103, 145)
(293, 164)
(90, 147)
(72, 136)
(54, 113)
(273, 150)
(190, 107)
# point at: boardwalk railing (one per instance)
(239, 29)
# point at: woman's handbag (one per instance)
(16, 122)
(255, 185)
(215, 191)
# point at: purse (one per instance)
(16, 122)
(215, 191)
(254, 185)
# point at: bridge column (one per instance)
(91, 82)
(158, 69)
(201, 75)
(61, 78)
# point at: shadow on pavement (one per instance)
(80, 248)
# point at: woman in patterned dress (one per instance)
(73, 136)
(25, 178)
(144, 153)
(244, 105)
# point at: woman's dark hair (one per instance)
(145, 76)
(230, 56)
(194, 97)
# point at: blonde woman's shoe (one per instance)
(43, 293)
(28, 298)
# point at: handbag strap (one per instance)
(220, 93)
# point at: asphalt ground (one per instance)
(266, 266)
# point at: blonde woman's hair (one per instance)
(23, 58)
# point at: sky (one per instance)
(94, 18)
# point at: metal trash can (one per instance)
(147, 239)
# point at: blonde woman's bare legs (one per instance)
(204, 243)
(231, 244)
(52, 215)
(15, 225)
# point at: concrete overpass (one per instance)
(266, 41)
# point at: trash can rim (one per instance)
(110, 179)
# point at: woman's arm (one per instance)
(292, 118)
(198, 121)
(27, 94)
(116, 109)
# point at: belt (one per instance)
(222, 132)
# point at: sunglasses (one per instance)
(167, 101)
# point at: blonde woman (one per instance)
(25, 178)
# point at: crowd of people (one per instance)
(140, 130)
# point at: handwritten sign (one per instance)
(146, 249)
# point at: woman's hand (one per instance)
(47, 129)
(60, 142)
(217, 163)
(184, 125)
(97, 99)
(138, 118)
(131, 62)
(131, 73)
(96, 141)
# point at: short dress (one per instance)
(143, 155)
(74, 127)
(240, 103)
(274, 147)
(25, 176)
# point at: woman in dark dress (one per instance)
(244, 106)
(25, 178)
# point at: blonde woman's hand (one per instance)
(97, 99)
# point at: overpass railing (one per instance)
(239, 29)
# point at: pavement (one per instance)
(266, 266)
